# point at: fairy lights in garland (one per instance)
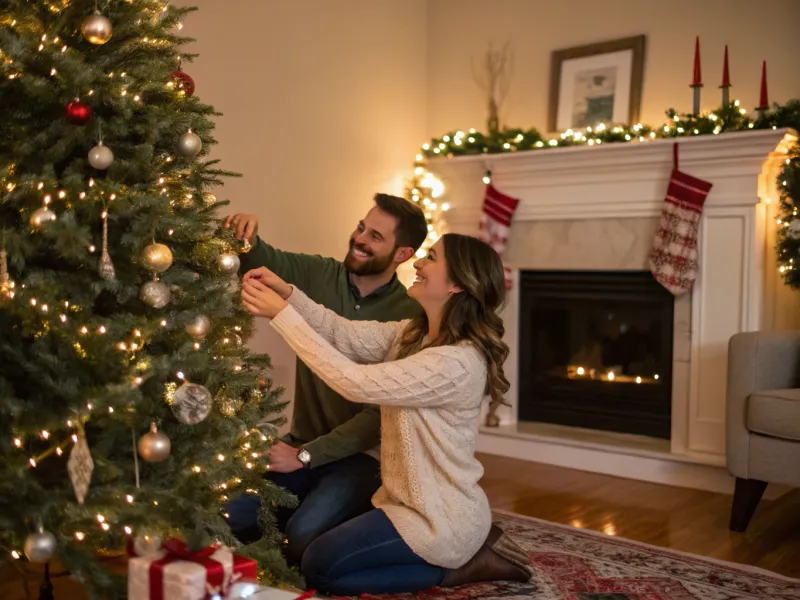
(424, 187)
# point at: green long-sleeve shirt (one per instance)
(323, 422)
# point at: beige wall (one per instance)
(459, 30)
(327, 101)
(323, 104)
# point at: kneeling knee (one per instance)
(316, 569)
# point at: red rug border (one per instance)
(748, 570)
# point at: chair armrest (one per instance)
(762, 360)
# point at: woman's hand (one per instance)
(260, 300)
(269, 279)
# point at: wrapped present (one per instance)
(176, 573)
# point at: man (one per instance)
(330, 458)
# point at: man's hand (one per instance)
(283, 458)
(269, 279)
(261, 301)
(245, 226)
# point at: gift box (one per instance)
(176, 573)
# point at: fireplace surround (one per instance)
(596, 209)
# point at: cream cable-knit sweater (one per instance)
(430, 408)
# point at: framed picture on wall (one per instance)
(598, 83)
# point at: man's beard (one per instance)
(374, 265)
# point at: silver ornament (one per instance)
(191, 403)
(147, 545)
(157, 257)
(190, 144)
(199, 327)
(42, 215)
(228, 264)
(106, 267)
(96, 29)
(101, 157)
(154, 446)
(40, 547)
(155, 294)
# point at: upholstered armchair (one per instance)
(763, 417)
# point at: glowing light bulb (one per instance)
(638, 380)
(129, 499)
(196, 469)
(655, 376)
(611, 376)
(15, 555)
(18, 442)
(581, 371)
(79, 536)
(220, 457)
(128, 530)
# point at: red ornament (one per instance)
(78, 112)
(184, 83)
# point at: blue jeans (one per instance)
(366, 556)
(328, 495)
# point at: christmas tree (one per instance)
(130, 410)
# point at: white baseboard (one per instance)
(629, 463)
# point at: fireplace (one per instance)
(596, 351)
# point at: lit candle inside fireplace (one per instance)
(611, 376)
(638, 380)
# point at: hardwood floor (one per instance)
(682, 519)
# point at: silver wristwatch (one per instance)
(304, 456)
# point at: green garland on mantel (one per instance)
(722, 120)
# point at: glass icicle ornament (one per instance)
(106, 267)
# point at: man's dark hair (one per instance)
(412, 227)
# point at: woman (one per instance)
(431, 524)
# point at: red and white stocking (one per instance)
(498, 210)
(673, 259)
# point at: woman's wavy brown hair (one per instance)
(470, 316)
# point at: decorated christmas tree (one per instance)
(130, 410)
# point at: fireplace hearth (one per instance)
(596, 351)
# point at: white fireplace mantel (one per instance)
(587, 208)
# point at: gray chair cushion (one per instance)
(775, 413)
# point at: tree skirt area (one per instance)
(575, 564)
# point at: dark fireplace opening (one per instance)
(596, 351)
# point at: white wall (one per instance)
(323, 106)
(460, 30)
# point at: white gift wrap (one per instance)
(273, 594)
(183, 580)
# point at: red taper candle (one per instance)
(726, 75)
(697, 80)
(763, 103)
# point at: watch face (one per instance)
(304, 456)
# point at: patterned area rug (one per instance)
(575, 564)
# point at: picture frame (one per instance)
(596, 83)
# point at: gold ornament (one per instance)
(96, 29)
(157, 257)
(154, 446)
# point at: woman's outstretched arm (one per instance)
(433, 377)
(360, 341)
